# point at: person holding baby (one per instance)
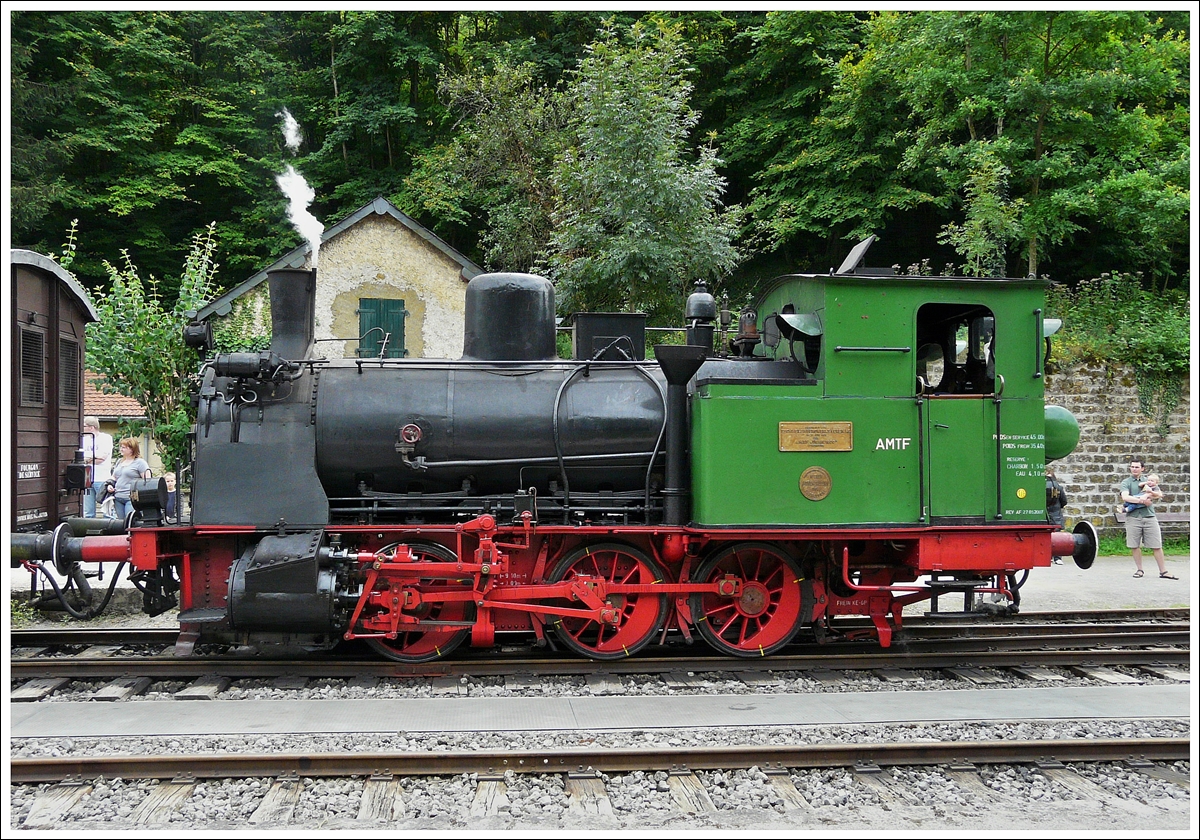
(1139, 493)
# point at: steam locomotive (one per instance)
(865, 442)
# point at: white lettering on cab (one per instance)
(892, 443)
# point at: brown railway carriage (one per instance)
(49, 313)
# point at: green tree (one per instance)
(500, 162)
(1089, 106)
(639, 218)
(136, 346)
(158, 122)
(808, 179)
(38, 158)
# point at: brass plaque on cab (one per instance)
(815, 484)
(816, 437)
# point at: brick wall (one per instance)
(1112, 431)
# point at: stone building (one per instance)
(1104, 399)
(385, 285)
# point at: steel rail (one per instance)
(173, 668)
(913, 632)
(592, 759)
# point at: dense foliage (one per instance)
(1007, 141)
(638, 218)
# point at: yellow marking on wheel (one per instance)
(437, 650)
(761, 652)
(625, 649)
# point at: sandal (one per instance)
(1168, 576)
(1138, 573)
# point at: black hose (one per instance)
(662, 395)
(562, 466)
(91, 612)
(1015, 590)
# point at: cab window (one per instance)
(956, 349)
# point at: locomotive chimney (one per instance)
(293, 310)
(679, 364)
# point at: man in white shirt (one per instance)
(97, 453)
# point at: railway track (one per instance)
(605, 760)
(924, 626)
(478, 784)
(694, 779)
(1161, 642)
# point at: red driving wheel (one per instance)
(765, 614)
(640, 615)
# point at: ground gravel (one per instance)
(617, 739)
(701, 684)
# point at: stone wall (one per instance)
(381, 258)
(1112, 431)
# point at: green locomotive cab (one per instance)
(921, 404)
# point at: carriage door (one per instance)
(956, 371)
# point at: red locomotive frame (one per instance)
(606, 591)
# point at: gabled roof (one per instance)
(19, 256)
(295, 258)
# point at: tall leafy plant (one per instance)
(137, 348)
(991, 218)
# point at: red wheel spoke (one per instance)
(427, 645)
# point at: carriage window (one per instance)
(68, 376)
(956, 348)
(33, 368)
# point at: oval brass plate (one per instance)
(815, 483)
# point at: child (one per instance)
(1149, 486)
(169, 513)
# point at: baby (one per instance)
(1150, 492)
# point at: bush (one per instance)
(1112, 318)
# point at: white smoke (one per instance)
(298, 192)
(291, 130)
(300, 195)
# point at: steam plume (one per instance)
(300, 195)
(291, 130)
(298, 192)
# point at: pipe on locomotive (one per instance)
(679, 363)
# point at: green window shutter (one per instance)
(388, 316)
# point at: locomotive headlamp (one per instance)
(149, 499)
(75, 477)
